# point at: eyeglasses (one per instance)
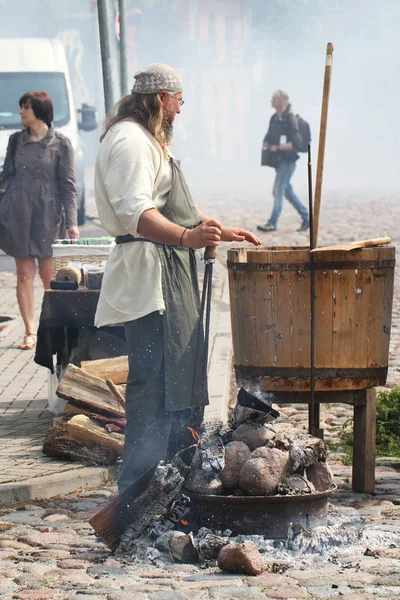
(180, 101)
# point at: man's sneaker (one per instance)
(304, 226)
(266, 227)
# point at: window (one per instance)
(15, 85)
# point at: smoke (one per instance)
(232, 56)
(363, 124)
(289, 53)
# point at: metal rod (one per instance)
(201, 329)
(123, 48)
(210, 267)
(203, 296)
(322, 137)
(205, 307)
(105, 20)
(311, 408)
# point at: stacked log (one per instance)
(115, 369)
(92, 427)
(89, 392)
(58, 443)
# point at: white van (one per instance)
(36, 64)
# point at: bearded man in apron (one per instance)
(150, 280)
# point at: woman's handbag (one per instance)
(8, 167)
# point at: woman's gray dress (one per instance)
(41, 197)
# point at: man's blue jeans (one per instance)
(283, 188)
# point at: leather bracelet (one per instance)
(180, 239)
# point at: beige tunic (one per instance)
(40, 197)
(131, 177)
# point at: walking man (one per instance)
(280, 147)
(150, 280)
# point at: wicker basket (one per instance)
(65, 254)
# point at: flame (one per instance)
(195, 435)
(184, 522)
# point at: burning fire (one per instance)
(195, 435)
(184, 522)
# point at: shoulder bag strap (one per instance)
(14, 143)
(9, 163)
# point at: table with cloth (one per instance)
(66, 329)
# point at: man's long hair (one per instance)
(145, 109)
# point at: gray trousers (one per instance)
(152, 434)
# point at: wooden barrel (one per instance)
(271, 317)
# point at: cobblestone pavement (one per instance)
(48, 550)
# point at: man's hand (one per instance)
(286, 147)
(273, 148)
(73, 232)
(237, 234)
(206, 234)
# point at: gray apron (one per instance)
(184, 368)
(185, 385)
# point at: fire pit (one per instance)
(260, 479)
(248, 477)
(263, 515)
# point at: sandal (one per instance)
(29, 342)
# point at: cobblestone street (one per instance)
(49, 551)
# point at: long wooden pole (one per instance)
(322, 139)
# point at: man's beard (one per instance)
(168, 127)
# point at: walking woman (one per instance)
(40, 200)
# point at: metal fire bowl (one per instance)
(263, 515)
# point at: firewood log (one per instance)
(84, 390)
(163, 489)
(59, 444)
(71, 409)
(104, 421)
(211, 450)
(118, 395)
(83, 430)
(182, 548)
(143, 503)
(115, 369)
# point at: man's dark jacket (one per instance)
(287, 125)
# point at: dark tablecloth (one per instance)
(63, 317)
